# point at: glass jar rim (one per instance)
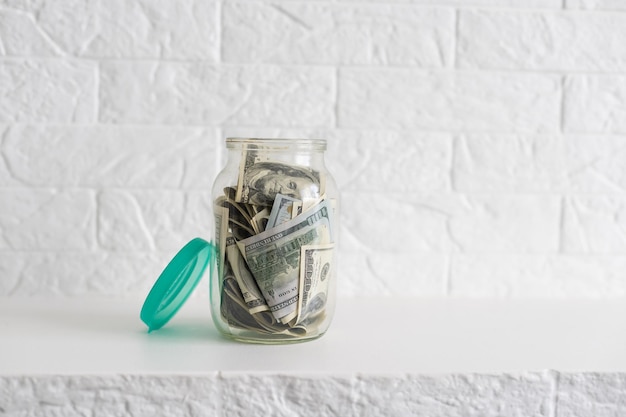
(287, 143)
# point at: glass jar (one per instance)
(276, 213)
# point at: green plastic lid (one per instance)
(176, 283)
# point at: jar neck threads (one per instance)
(279, 145)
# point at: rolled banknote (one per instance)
(221, 230)
(281, 210)
(249, 289)
(315, 275)
(259, 221)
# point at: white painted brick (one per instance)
(397, 275)
(137, 28)
(108, 156)
(596, 4)
(545, 41)
(595, 104)
(145, 220)
(48, 91)
(197, 93)
(467, 395)
(40, 219)
(63, 23)
(285, 96)
(543, 275)
(506, 223)
(285, 395)
(21, 36)
(596, 163)
(389, 223)
(403, 98)
(390, 161)
(442, 223)
(167, 93)
(539, 163)
(395, 257)
(337, 34)
(373, 274)
(152, 395)
(72, 273)
(594, 224)
(509, 163)
(22, 5)
(456, 395)
(464, 395)
(591, 394)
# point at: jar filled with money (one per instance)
(276, 212)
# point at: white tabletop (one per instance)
(383, 336)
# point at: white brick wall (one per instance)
(478, 144)
(537, 394)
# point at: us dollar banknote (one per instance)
(250, 291)
(260, 220)
(281, 210)
(221, 230)
(274, 258)
(315, 275)
(260, 179)
(235, 312)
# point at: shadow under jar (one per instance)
(276, 210)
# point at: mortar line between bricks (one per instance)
(376, 129)
(417, 130)
(428, 70)
(219, 381)
(562, 105)
(554, 394)
(182, 125)
(115, 187)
